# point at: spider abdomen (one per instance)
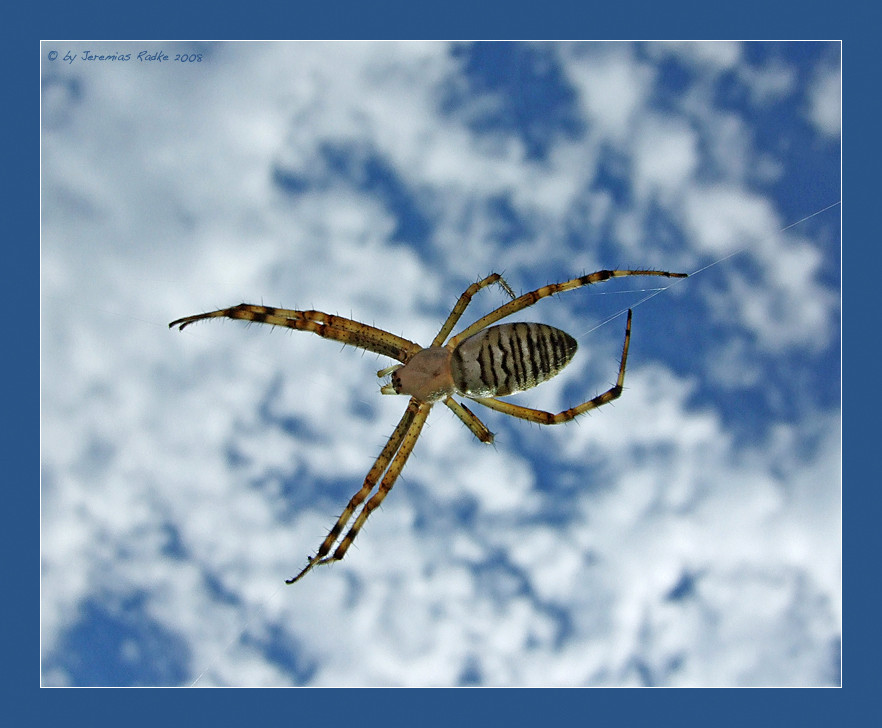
(509, 358)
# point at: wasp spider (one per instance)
(482, 362)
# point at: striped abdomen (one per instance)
(509, 358)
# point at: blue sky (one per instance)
(688, 535)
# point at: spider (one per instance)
(481, 363)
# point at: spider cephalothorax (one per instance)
(482, 362)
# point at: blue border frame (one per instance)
(456, 19)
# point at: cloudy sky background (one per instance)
(687, 535)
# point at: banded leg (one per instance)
(470, 420)
(388, 481)
(528, 299)
(546, 418)
(341, 329)
(464, 301)
(378, 468)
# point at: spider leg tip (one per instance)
(310, 562)
(300, 575)
(180, 323)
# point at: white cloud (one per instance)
(665, 158)
(613, 89)
(826, 102)
(769, 83)
(715, 56)
(783, 303)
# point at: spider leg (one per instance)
(470, 420)
(326, 325)
(464, 301)
(378, 468)
(528, 299)
(410, 438)
(546, 418)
